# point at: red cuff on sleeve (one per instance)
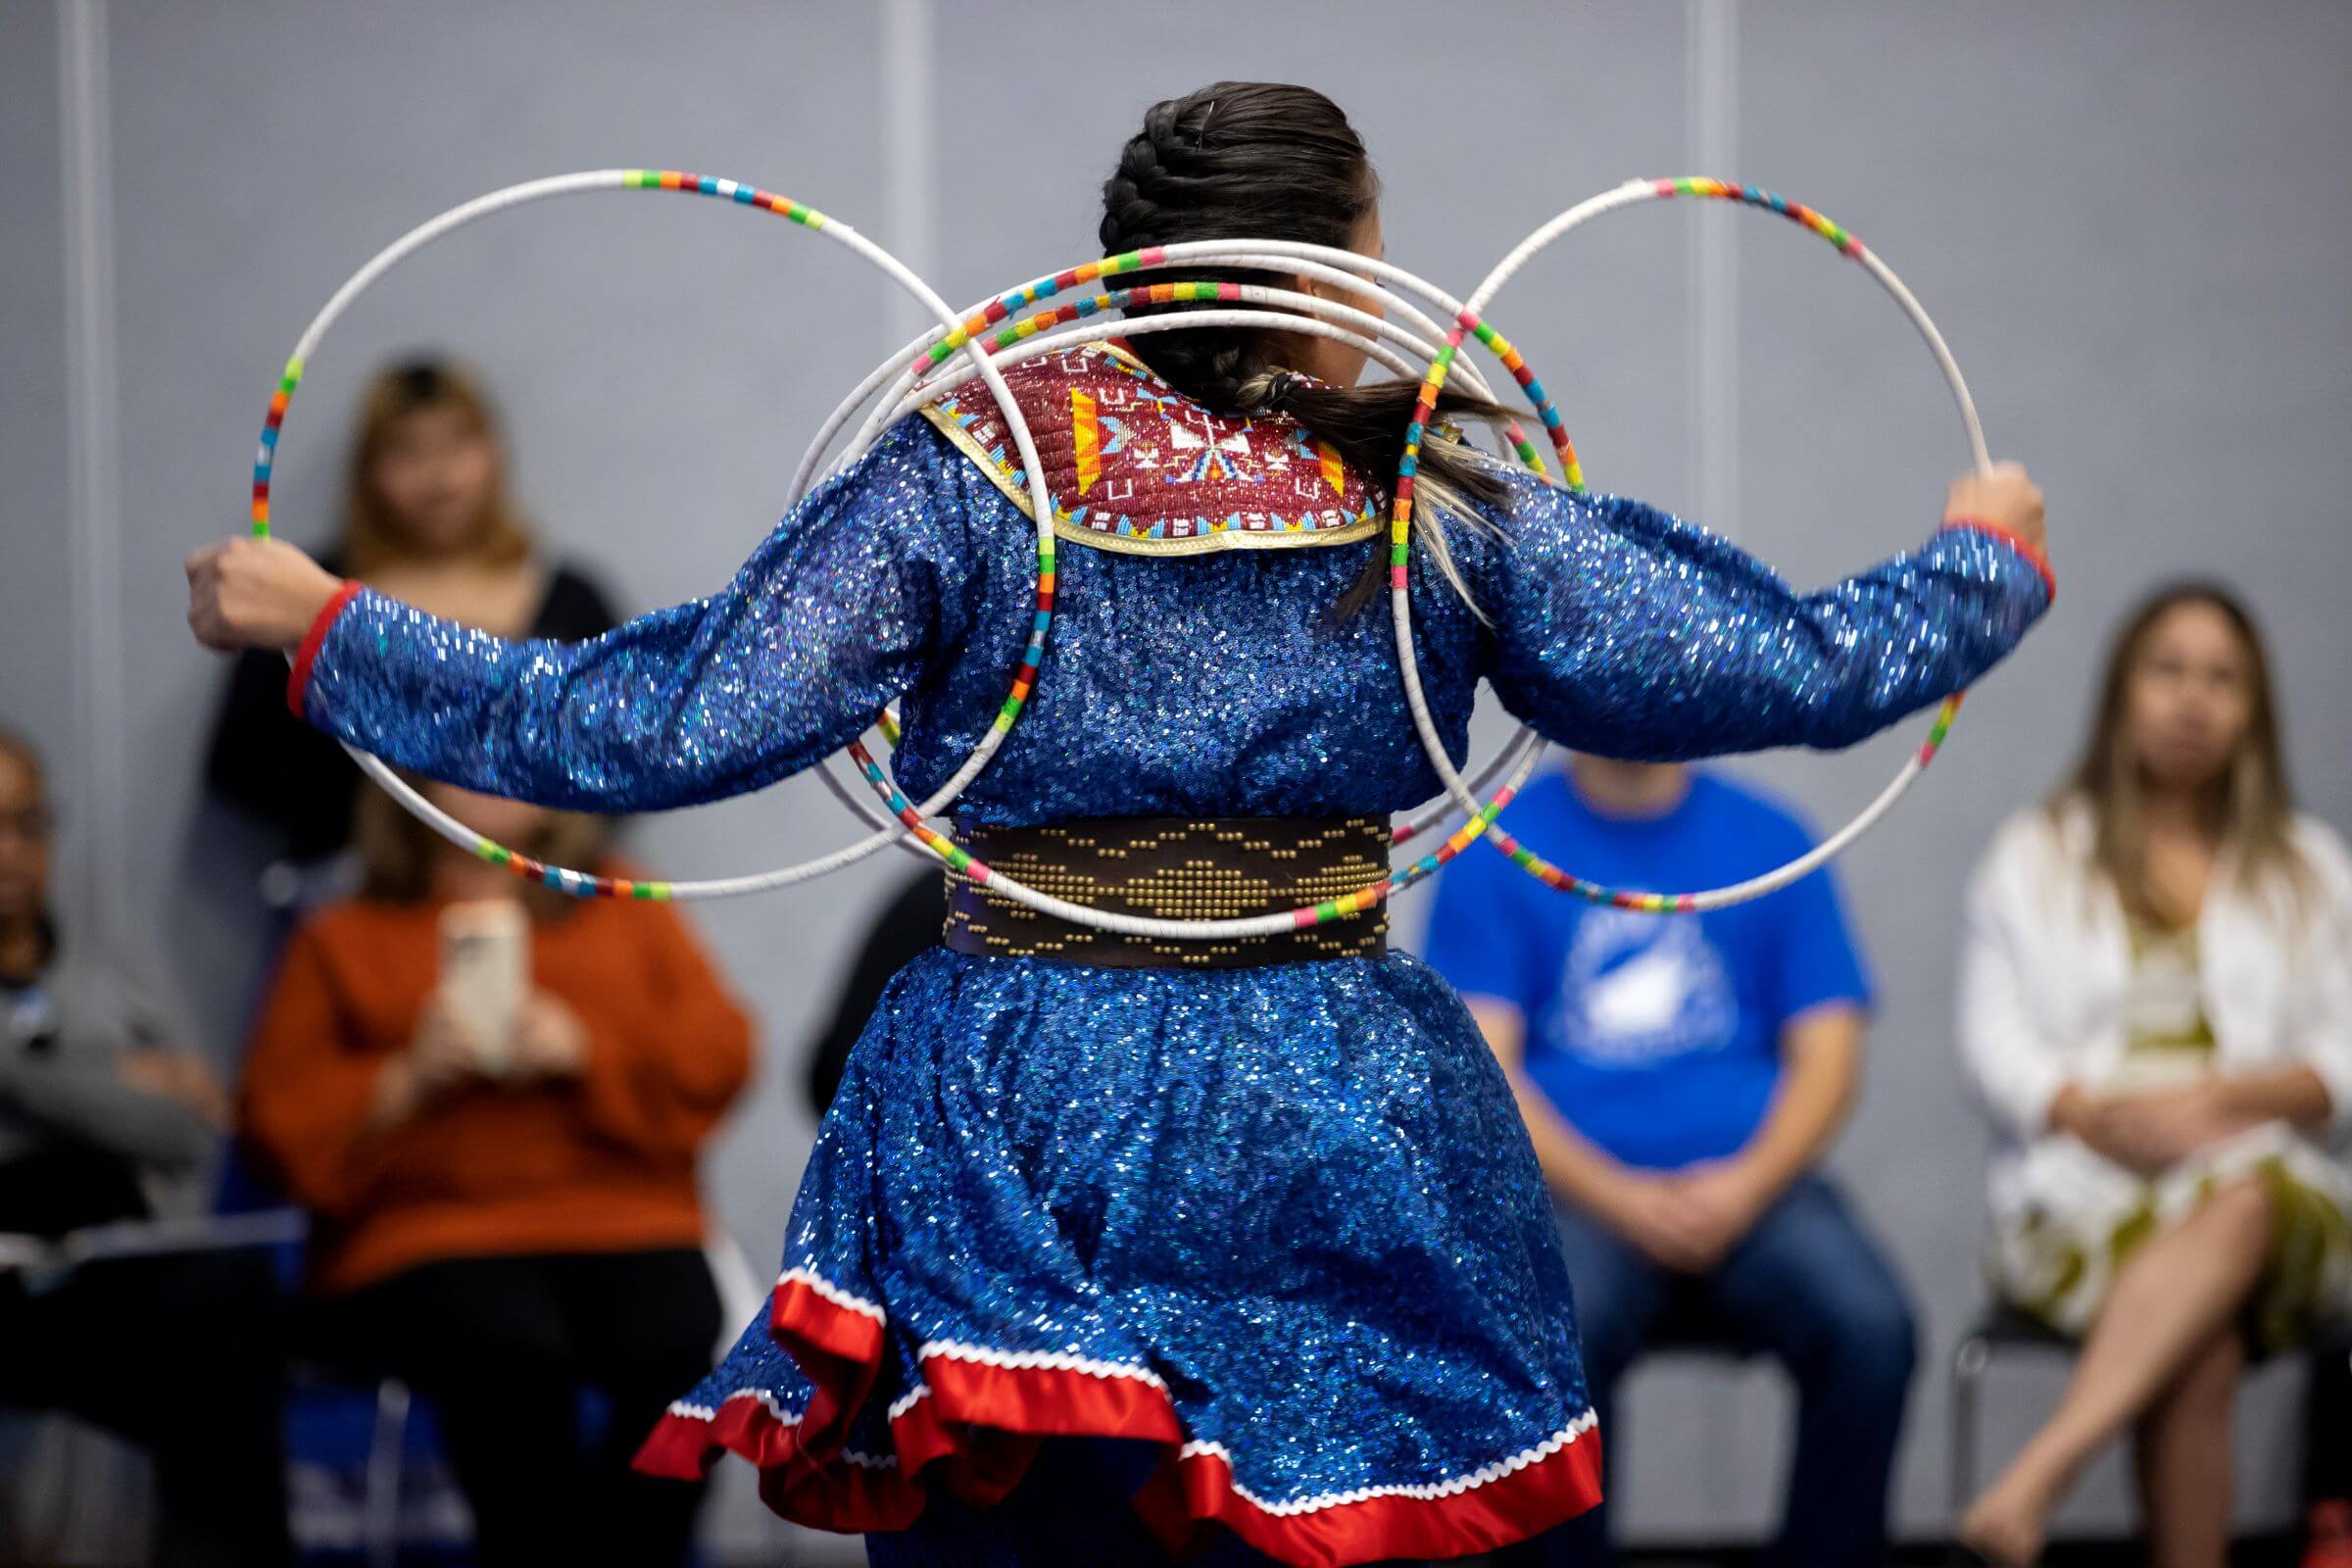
(2032, 553)
(298, 682)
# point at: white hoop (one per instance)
(607, 180)
(1627, 195)
(1290, 310)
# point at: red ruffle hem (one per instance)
(977, 1419)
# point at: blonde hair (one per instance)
(397, 851)
(2249, 808)
(372, 539)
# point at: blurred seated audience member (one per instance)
(505, 1218)
(1682, 1077)
(102, 1118)
(2156, 1008)
(426, 518)
(907, 926)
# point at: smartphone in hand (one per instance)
(485, 973)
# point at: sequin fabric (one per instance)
(1281, 1222)
(1218, 685)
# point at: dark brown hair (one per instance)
(371, 538)
(2248, 808)
(1265, 160)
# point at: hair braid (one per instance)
(1265, 160)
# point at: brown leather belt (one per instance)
(1175, 869)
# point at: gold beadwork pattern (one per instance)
(1173, 868)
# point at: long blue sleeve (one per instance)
(1622, 631)
(836, 614)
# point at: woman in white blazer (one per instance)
(2156, 1009)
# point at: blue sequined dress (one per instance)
(1279, 1225)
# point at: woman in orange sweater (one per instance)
(505, 1223)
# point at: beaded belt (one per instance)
(1178, 869)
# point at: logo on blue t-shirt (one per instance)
(1657, 1037)
(1637, 989)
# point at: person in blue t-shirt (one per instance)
(1682, 1076)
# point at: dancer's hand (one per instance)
(255, 593)
(2004, 498)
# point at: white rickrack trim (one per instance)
(783, 1419)
(1055, 1360)
(1019, 1360)
(710, 1412)
(1427, 1493)
(832, 1292)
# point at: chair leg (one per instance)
(385, 1448)
(1969, 1362)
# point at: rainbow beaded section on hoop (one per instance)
(1015, 300)
(963, 334)
(959, 861)
(1029, 294)
(582, 884)
(1756, 196)
(952, 855)
(578, 884)
(1941, 727)
(1468, 323)
(267, 457)
(265, 460)
(730, 190)
(1425, 412)
(1671, 902)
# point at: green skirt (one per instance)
(2057, 1267)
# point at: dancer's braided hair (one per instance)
(1262, 160)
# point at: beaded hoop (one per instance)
(1059, 324)
(1352, 272)
(586, 884)
(914, 359)
(1480, 820)
(1013, 346)
(1470, 321)
(1036, 335)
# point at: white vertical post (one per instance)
(1711, 99)
(910, 162)
(100, 868)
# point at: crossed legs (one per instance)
(2163, 1356)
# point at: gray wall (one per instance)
(35, 628)
(2130, 222)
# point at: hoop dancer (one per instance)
(1114, 1248)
